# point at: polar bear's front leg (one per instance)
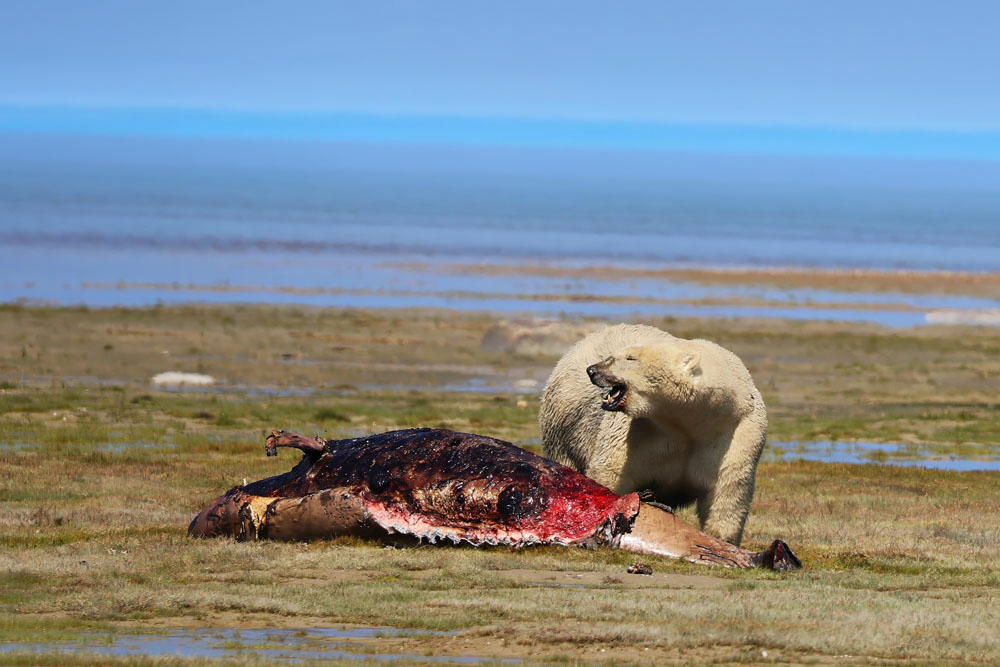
(610, 475)
(609, 452)
(723, 509)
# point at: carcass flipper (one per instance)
(312, 447)
(778, 557)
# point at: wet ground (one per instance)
(987, 457)
(292, 645)
(883, 453)
(384, 282)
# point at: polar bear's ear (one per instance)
(689, 363)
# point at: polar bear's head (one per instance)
(640, 381)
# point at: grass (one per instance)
(100, 474)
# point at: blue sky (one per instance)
(891, 77)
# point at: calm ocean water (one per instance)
(82, 219)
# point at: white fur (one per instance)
(692, 426)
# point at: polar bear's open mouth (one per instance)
(614, 396)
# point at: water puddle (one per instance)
(292, 645)
(119, 447)
(436, 285)
(621, 306)
(883, 453)
(111, 447)
(472, 386)
(492, 383)
(239, 390)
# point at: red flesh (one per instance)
(439, 484)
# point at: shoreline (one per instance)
(474, 295)
(908, 281)
(893, 298)
(585, 297)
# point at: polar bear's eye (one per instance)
(630, 358)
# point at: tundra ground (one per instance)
(100, 474)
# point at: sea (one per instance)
(103, 221)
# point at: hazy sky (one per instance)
(870, 64)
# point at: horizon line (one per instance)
(511, 131)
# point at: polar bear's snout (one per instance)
(600, 374)
(615, 389)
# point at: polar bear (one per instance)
(635, 408)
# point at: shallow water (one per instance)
(276, 644)
(556, 304)
(129, 198)
(882, 453)
(73, 227)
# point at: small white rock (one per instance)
(179, 378)
(979, 316)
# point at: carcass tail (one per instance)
(662, 533)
